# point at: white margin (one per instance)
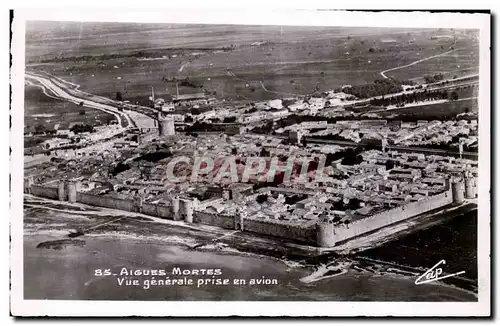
(21, 307)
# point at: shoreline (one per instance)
(192, 238)
(352, 246)
(304, 270)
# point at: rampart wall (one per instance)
(106, 201)
(318, 235)
(161, 211)
(347, 231)
(270, 227)
(47, 192)
(223, 221)
(281, 230)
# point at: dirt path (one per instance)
(383, 73)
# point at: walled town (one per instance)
(327, 171)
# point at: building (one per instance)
(295, 137)
(280, 113)
(166, 126)
(188, 97)
(168, 107)
(276, 104)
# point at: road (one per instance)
(63, 94)
(55, 87)
(274, 92)
(383, 73)
(182, 67)
(94, 146)
(428, 87)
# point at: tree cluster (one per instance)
(229, 120)
(138, 54)
(407, 98)
(429, 79)
(378, 88)
(82, 128)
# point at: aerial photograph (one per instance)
(194, 162)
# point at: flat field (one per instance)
(232, 62)
(40, 109)
(459, 63)
(440, 111)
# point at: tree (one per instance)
(354, 203)
(454, 96)
(119, 96)
(82, 128)
(229, 120)
(264, 153)
(40, 129)
(261, 198)
(389, 164)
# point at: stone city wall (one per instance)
(161, 211)
(281, 229)
(106, 201)
(223, 221)
(46, 192)
(322, 235)
(347, 231)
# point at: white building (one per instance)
(280, 113)
(276, 104)
(297, 106)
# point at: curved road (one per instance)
(61, 93)
(415, 62)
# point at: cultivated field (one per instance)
(236, 62)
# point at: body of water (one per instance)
(65, 269)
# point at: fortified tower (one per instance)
(239, 218)
(175, 208)
(457, 191)
(325, 233)
(28, 182)
(183, 208)
(470, 188)
(71, 188)
(138, 201)
(166, 126)
(186, 209)
(61, 190)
